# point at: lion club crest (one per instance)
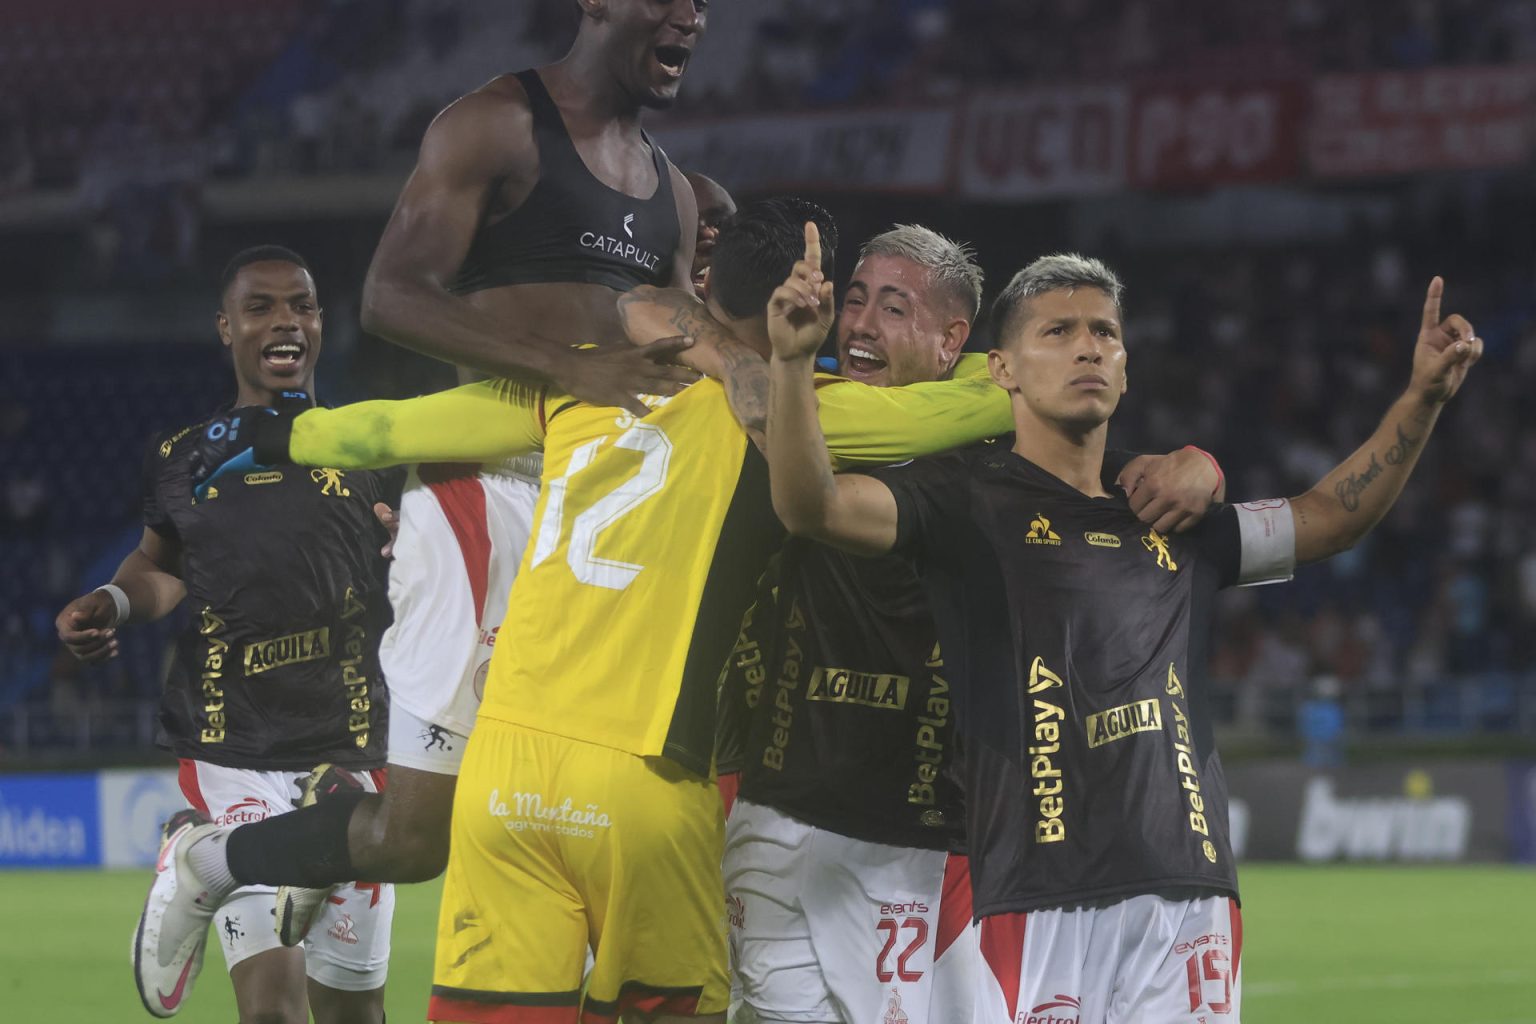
(894, 1014)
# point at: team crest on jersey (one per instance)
(1157, 544)
(1040, 532)
(330, 481)
(894, 1014)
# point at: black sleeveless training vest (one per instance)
(572, 227)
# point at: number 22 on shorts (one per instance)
(892, 930)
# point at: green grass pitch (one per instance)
(1343, 944)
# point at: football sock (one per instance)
(306, 847)
(207, 859)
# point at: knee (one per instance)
(420, 857)
(405, 851)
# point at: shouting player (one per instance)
(843, 890)
(586, 813)
(535, 201)
(277, 671)
(715, 206)
(1077, 639)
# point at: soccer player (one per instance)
(535, 201)
(1076, 638)
(586, 812)
(715, 205)
(276, 672)
(845, 897)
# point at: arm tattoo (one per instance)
(1403, 448)
(745, 372)
(1350, 489)
(746, 385)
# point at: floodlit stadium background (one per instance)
(1276, 180)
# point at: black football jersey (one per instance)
(851, 721)
(1076, 640)
(278, 668)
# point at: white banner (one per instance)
(895, 149)
(1044, 142)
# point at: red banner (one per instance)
(1046, 142)
(1215, 133)
(1393, 123)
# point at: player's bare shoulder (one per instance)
(487, 134)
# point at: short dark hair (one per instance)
(258, 254)
(758, 247)
(1049, 273)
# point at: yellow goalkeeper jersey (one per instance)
(649, 534)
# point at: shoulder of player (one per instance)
(955, 466)
(164, 445)
(682, 190)
(557, 403)
(491, 126)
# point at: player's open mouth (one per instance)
(862, 362)
(673, 59)
(282, 355)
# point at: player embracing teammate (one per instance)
(1077, 639)
(848, 889)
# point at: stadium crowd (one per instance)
(285, 87)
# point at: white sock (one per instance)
(211, 863)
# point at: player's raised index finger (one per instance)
(812, 245)
(1432, 303)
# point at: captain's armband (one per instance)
(1268, 540)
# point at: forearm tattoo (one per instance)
(1353, 486)
(745, 373)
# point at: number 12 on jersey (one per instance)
(655, 449)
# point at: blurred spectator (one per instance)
(1320, 722)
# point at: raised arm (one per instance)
(854, 512)
(480, 422)
(151, 586)
(477, 148)
(1344, 506)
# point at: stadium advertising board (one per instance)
(49, 821)
(1396, 812)
(1044, 142)
(87, 819)
(884, 149)
(1186, 135)
(1442, 118)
